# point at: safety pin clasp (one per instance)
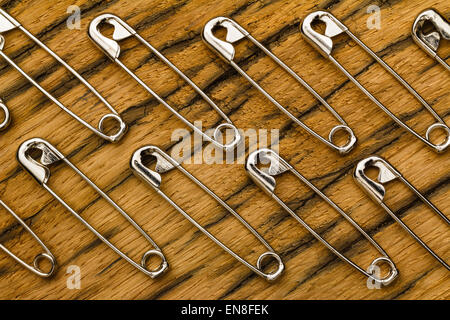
(49, 155)
(430, 42)
(271, 165)
(165, 163)
(264, 177)
(7, 22)
(111, 48)
(7, 116)
(121, 31)
(234, 33)
(39, 170)
(375, 189)
(152, 177)
(322, 42)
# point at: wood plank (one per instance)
(198, 268)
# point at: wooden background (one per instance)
(199, 268)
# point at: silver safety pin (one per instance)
(40, 171)
(226, 50)
(8, 23)
(324, 44)
(111, 48)
(7, 117)
(264, 178)
(165, 163)
(430, 42)
(46, 255)
(376, 191)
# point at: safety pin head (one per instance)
(430, 42)
(264, 177)
(7, 119)
(7, 22)
(234, 33)
(38, 169)
(121, 31)
(322, 42)
(163, 164)
(375, 189)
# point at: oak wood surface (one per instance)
(199, 269)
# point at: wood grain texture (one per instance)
(199, 268)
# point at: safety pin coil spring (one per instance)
(111, 48)
(165, 163)
(46, 255)
(7, 23)
(226, 50)
(324, 44)
(40, 171)
(264, 178)
(7, 120)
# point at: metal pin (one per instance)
(324, 44)
(264, 178)
(8, 23)
(376, 191)
(165, 163)
(430, 42)
(225, 50)
(46, 255)
(5, 123)
(39, 169)
(111, 48)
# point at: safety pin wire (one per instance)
(377, 192)
(226, 51)
(430, 42)
(47, 255)
(41, 173)
(7, 120)
(266, 181)
(166, 163)
(324, 44)
(7, 23)
(112, 49)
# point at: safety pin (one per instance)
(264, 178)
(324, 44)
(430, 42)
(225, 50)
(165, 163)
(40, 171)
(376, 191)
(111, 48)
(47, 255)
(7, 120)
(7, 23)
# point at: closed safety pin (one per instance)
(8, 23)
(324, 44)
(226, 50)
(264, 178)
(40, 171)
(165, 163)
(430, 42)
(376, 191)
(111, 48)
(7, 117)
(46, 255)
